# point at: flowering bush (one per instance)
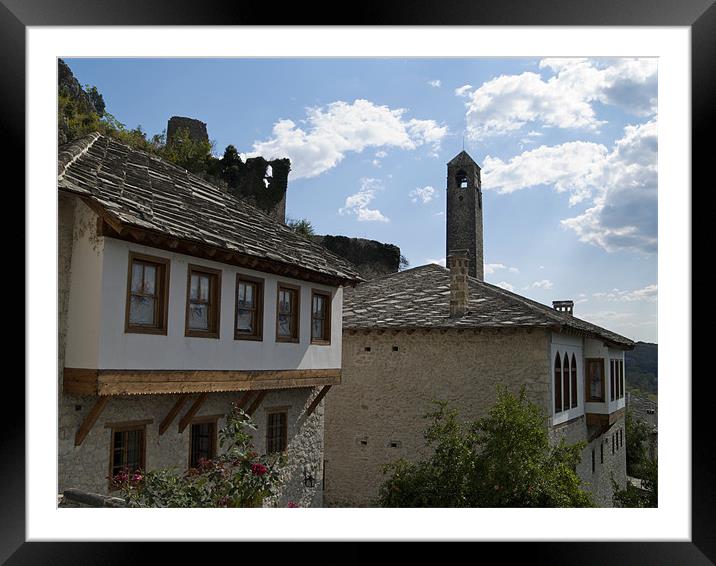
(238, 477)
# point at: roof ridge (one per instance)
(69, 152)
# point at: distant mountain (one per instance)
(642, 367)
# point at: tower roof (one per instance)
(463, 158)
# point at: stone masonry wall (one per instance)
(376, 415)
(86, 467)
(606, 464)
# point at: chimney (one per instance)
(564, 306)
(459, 293)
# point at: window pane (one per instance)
(565, 381)
(198, 316)
(318, 305)
(557, 384)
(284, 301)
(117, 453)
(141, 310)
(204, 288)
(249, 295)
(137, 277)
(317, 329)
(150, 277)
(284, 325)
(133, 450)
(194, 294)
(245, 321)
(595, 369)
(574, 381)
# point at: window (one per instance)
(621, 437)
(288, 313)
(612, 443)
(202, 302)
(621, 378)
(276, 432)
(461, 179)
(203, 441)
(593, 460)
(249, 308)
(601, 452)
(320, 317)
(557, 384)
(595, 379)
(147, 294)
(565, 380)
(612, 379)
(574, 381)
(128, 449)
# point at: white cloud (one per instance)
(463, 90)
(490, 268)
(440, 261)
(648, 294)
(505, 285)
(381, 154)
(436, 83)
(624, 215)
(357, 203)
(423, 194)
(566, 100)
(572, 166)
(543, 284)
(341, 127)
(621, 184)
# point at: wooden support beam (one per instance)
(317, 400)
(244, 399)
(171, 415)
(256, 403)
(90, 419)
(192, 411)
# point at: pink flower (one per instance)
(293, 504)
(258, 469)
(137, 477)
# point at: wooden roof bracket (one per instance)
(317, 400)
(192, 411)
(256, 403)
(171, 415)
(90, 419)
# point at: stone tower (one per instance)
(464, 212)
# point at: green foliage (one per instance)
(237, 477)
(96, 99)
(502, 460)
(647, 495)
(641, 366)
(637, 439)
(302, 227)
(192, 155)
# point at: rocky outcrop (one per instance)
(371, 258)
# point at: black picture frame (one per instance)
(699, 15)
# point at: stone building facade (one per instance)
(163, 380)
(431, 333)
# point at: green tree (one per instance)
(237, 477)
(645, 496)
(192, 155)
(504, 459)
(302, 227)
(637, 438)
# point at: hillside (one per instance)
(642, 368)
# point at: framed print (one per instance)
(225, 262)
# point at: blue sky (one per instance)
(568, 150)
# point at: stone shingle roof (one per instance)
(140, 190)
(420, 298)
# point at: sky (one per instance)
(567, 147)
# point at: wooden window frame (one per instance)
(258, 334)
(214, 298)
(587, 381)
(284, 432)
(573, 383)
(295, 314)
(129, 426)
(162, 265)
(613, 373)
(211, 419)
(557, 381)
(328, 297)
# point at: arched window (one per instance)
(557, 384)
(574, 381)
(461, 179)
(565, 381)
